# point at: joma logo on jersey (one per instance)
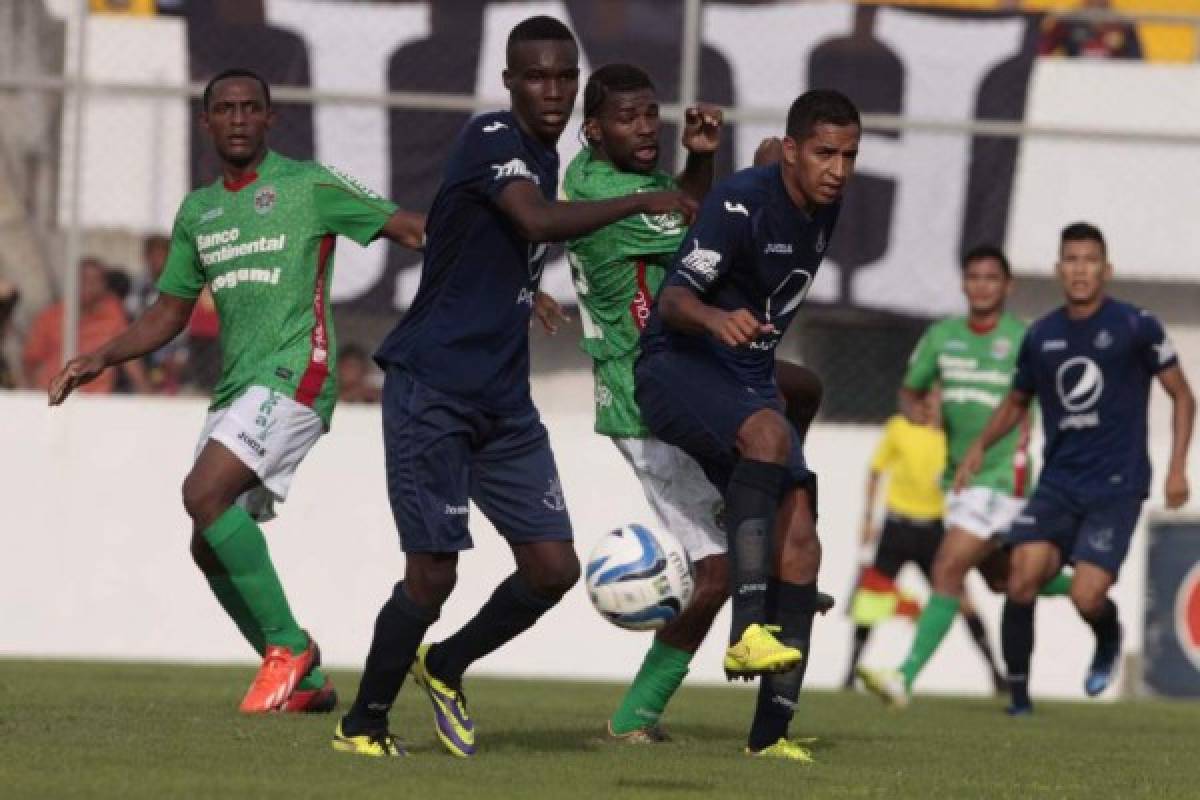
(236, 276)
(514, 169)
(228, 250)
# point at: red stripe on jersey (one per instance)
(318, 360)
(639, 307)
(1021, 460)
(241, 183)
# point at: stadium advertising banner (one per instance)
(921, 197)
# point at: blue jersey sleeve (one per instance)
(495, 156)
(713, 244)
(1023, 378)
(1153, 346)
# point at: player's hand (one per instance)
(702, 128)
(737, 328)
(770, 151)
(868, 533)
(1176, 488)
(971, 462)
(669, 202)
(548, 312)
(77, 372)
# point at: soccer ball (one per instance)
(639, 578)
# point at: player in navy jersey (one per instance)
(1090, 364)
(706, 383)
(458, 419)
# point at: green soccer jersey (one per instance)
(264, 249)
(974, 371)
(617, 272)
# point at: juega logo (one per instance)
(1080, 384)
(1187, 615)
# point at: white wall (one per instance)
(96, 562)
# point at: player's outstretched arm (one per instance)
(1007, 416)
(682, 310)
(1183, 418)
(541, 220)
(701, 138)
(161, 323)
(405, 228)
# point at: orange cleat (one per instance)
(312, 701)
(281, 670)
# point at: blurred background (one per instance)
(987, 121)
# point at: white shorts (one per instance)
(271, 434)
(679, 493)
(982, 512)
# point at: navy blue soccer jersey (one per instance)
(467, 333)
(750, 248)
(1092, 380)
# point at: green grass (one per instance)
(156, 731)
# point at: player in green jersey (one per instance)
(617, 271)
(972, 360)
(261, 240)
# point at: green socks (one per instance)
(661, 674)
(1058, 586)
(239, 545)
(935, 621)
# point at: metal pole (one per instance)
(74, 243)
(689, 62)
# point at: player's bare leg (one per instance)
(229, 547)
(1030, 566)
(792, 605)
(1089, 592)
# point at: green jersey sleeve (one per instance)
(922, 369)
(182, 275)
(347, 207)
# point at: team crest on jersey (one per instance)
(702, 262)
(1103, 340)
(1001, 348)
(822, 241)
(264, 199)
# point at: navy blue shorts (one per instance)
(698, 405)
(441, 451)
(1094, 530)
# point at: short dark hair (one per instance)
(1083, 232)
(820, 105)
(235, 72)
(984, 251)
(612, 78)
(351, 351)
(536, 29)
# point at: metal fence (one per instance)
(99, 145)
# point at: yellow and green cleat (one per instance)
(759, 651)
(376, 744)
(785, 749)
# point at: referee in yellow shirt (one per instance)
(913, 455)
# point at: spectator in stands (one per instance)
(166, 365)
(101, 317)
(1084, 37)
(354, 376)
(8, 301)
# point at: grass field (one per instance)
(154, 731)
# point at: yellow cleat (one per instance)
(453, 724)
(379, 744)
(886, 684)
(758, 651)
(787, 750)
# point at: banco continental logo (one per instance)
(1187, 615)
(222, 246)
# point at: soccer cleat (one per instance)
(1104, 664)
(758, 651)
(1022, 710)
(784, 749)
(312, 701)
(454, 726)
(651, 734)
(281, 670)
(886, 684)
(377, 744)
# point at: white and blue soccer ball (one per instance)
(639, 578)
